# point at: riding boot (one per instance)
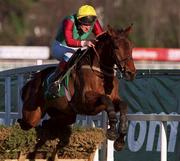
(53, 84)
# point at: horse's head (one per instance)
(120, 50)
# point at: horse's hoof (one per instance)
(111, 134)
(119, 144)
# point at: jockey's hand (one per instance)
(87, 43)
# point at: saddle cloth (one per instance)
(63, 88)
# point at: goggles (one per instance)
(87, 20)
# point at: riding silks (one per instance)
(63, 83)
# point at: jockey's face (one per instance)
(85, 28)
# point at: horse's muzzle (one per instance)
(128, 75)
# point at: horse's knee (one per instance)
(120, 106)
(30, 123)
(33, 123)
(123, 108)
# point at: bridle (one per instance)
(121, 63)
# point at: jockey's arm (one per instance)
(68, 34)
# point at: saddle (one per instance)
(63, 82)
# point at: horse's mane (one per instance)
(104, 35)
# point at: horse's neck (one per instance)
(105, 54)
(100, 61)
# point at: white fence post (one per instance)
(163, 141)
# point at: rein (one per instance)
(114, 68)
(129, 57)
(93, 68)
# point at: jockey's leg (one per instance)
(57, 76)
(58, 72)
(62, 53)
(53, 84)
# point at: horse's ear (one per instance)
(128, 30)
(110, 30)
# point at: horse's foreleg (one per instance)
(96, 103)
(111, 132)
(123, 124)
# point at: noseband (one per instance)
(122, 62)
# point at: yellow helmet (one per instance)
(86, 10)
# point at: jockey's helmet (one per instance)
(86, 15)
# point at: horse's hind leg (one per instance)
(30, 118)
(111, 132)
(123, 124)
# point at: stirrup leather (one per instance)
(54, 88)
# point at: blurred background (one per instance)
(35, 23)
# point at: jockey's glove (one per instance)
(87, 43)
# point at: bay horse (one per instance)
(93, 87)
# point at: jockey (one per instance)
(72, 35)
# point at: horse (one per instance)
(93, 87)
